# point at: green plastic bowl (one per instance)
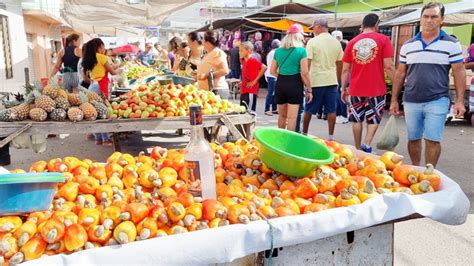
(291, 153)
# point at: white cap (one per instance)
(336, 34)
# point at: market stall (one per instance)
(244, 122)
(287, 238)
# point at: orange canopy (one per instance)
(280, 25)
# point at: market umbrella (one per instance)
(127, 49)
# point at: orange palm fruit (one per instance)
(195, 210)
(234, 191)
(422, 187)
(212, 209)
(68, 191)
(368, 192)
(238, 213)
(38, 167)
(264, 169)
(325, 199)
(146, 178)
(112, 213)
(136, 212)
(113, 169)
(97, 171)
(381, 180)
(327, 184)
(26, 231)
(37, 217)
(168, 176)
(346, 199)
(88, 184)
(346, 184)
(8, 224)
(220, 174)
(8, 245)
(314, 207)
(176, 211)
(104, 190)
(99, 234)
(63, 215)
(75, 237)
(284, 211)
(287, 185)
(302, 203)
(34, 248)
(125, 232)
(431, 176)
(80, 171)
(267, 211)
(405, 175)
(147, 228)
(391, 160)
(186, 199)
(89, 217)
(361, 180)
(253, 180)
(129, 180)
(270, 184)
(305, 189)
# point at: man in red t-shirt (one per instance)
(252, 71)
(365, 59)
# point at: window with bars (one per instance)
(7, 55)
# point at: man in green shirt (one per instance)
(325, 65)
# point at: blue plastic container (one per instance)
(182, 80)
(25, 193)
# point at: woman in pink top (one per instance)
(215, 60)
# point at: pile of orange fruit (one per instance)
(134, 198)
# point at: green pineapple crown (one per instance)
(83, 97)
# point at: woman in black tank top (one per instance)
(69, 59)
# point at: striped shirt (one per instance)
(428, 67)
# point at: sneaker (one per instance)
(269, 113)
(108, 143)
(98, 142)
(339, 119)
(366, 148)
(275, 112)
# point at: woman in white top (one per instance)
(271, 81)
(215, 60)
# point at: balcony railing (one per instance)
(50, 6)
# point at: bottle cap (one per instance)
(195, 115)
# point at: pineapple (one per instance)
(62, 103)
(51, 90)
(90, 113)
(58, 114)
(62, 93)
(74, 99)
(7, 115)
(22, 111)
(45, 102)
(102, 110)
(92, 96)
(38, 114)
(75, 114)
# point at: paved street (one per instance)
(417, 242)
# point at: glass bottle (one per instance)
(199, 159)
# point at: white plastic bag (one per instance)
(389, 138)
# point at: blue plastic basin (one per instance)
(25, 193)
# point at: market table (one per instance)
(237, 123)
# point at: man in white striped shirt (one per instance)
(425, 62)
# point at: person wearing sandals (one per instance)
(271, 81)
(290, 66)
(96, 64)
(69, 58)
